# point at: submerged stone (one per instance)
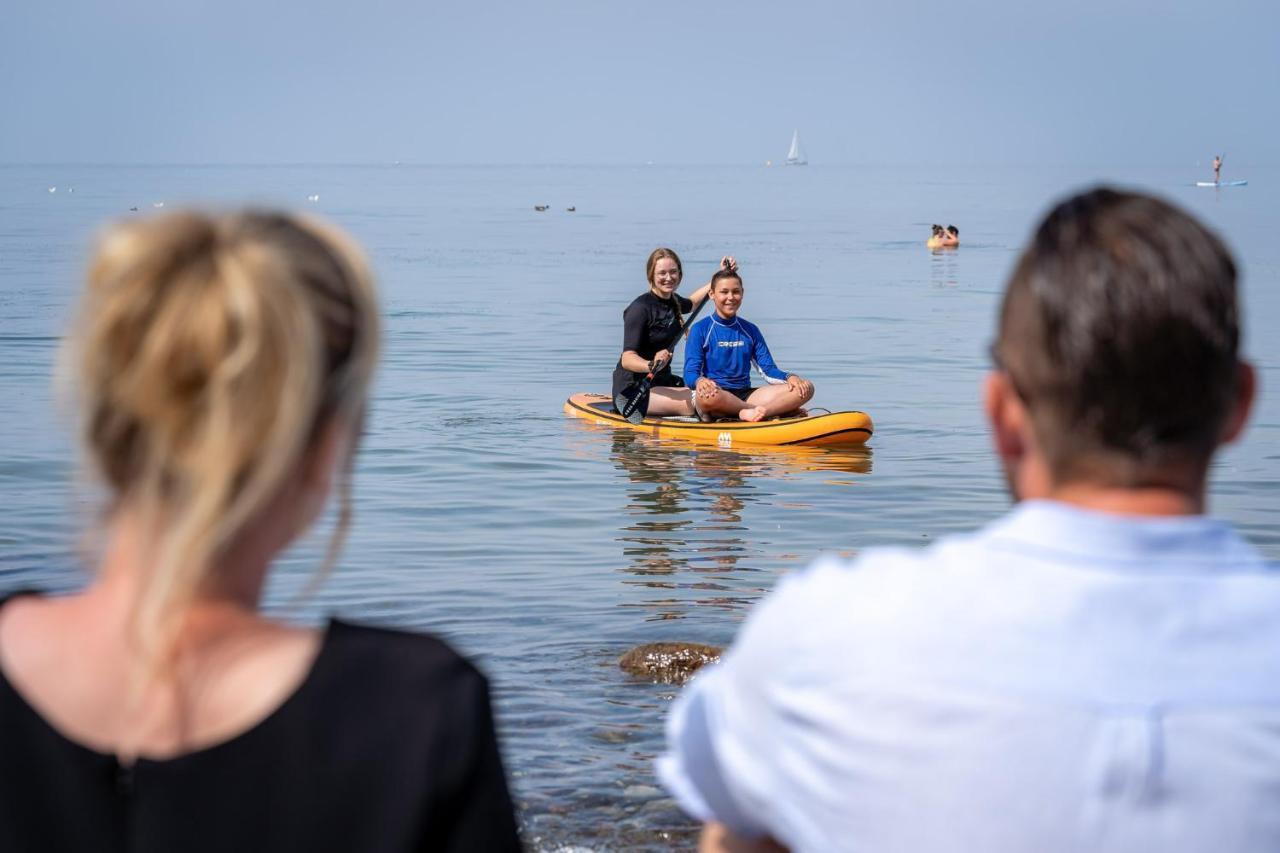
(668, 663)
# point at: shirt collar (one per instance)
(1151, 543)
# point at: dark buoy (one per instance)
(571, 209)
(668, 663)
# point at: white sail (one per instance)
(795, 157)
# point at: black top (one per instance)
(387, 745)
(650, 324)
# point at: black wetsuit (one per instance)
(650, 324)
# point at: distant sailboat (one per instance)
(795, 157)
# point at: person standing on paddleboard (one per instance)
(652, 324)
(718, 359)
(1217, 169)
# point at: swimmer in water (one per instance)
(936, 238)
(951, 237)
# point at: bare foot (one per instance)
(751, 414)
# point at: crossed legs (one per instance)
(766, 402)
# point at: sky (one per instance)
(612, 81)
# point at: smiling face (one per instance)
(666, 278)
(727, 296)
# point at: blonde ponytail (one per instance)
(210, 353)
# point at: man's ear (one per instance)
(1007, 416)
(1246, 393)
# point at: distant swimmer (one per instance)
(571, 209)
(1217, 169)
(541, 207)
(943, 238)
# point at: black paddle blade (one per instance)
(632, 402)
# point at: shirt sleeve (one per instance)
(634, 321)
(691, 769)
(764, 359)
(730, 736)
(695, 355)
(686, 305)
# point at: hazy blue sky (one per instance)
(626, 81)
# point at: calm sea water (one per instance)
(545, 547)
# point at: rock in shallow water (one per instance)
(668, 663)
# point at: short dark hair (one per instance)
(1120, 331)
(722, 274)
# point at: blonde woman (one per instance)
(651, 327)
(222, 365)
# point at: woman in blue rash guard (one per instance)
(718, 359)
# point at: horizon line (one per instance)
(562, 164)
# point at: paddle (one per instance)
(633, 401)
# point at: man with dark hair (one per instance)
(1097, 670)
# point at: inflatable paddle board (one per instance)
(821, 430)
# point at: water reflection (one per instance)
(701, 534)
(944, 267)
(684, 526)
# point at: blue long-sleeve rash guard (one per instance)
(723, 350)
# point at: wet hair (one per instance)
(953, 231)
(1119, 329)
(210, 352)
(657, 255)
(722, 274)
(937, 229)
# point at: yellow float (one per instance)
(831, 429)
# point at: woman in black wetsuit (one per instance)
(652, 324)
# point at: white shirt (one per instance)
(1060, 681)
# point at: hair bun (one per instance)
(209, 350)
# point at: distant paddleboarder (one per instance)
(1217, 169)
